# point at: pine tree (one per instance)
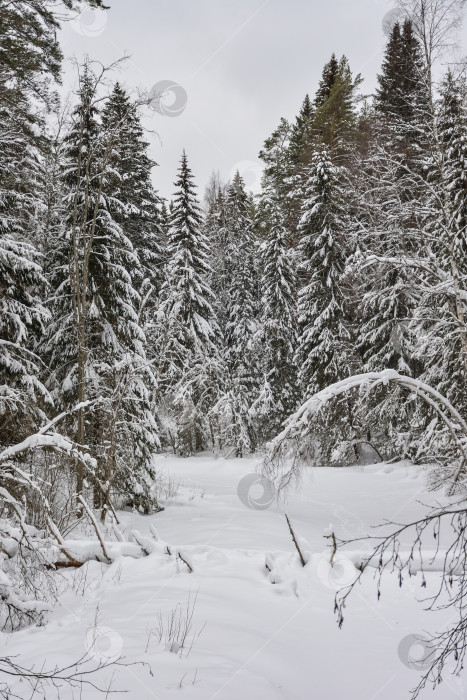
(335, 120)
(189, 332)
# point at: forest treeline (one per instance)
(203, 323)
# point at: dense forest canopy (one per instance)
(205, 322)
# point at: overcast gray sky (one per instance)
(242, 63)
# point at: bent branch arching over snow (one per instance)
(286, 443)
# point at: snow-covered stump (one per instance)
(286, 445)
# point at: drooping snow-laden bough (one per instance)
(30, 553)
(284, 462)
(285, 455)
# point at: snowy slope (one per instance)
(257, 640)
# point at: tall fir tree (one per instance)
(23, 316)
(391, 190)
(402, 96)
(326, 84)
(95, 345)
(28, 59)
(240, 332)
(240, 326)
(138, 205)
(322, 354)
(301, 134)
(442, 329)
(283, 154)
(30, 62)
(188, 367)
(278, 322)
(216, 230)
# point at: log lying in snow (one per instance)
(75, 553)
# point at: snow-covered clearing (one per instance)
(257, 640)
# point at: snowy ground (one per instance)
(257, 640)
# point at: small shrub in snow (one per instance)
(175, 629)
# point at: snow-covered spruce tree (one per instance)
(240, 325)
(452, 125)
(278, 323)
(301, 134)
(231, 413)
(275, 154)
(30, 55)
(388, 230)
(27, 55)
(188, 369)
(441, 318)
(401, 91)
(321, 307)
(327, 81)
(216, 231)
(298, 158)
(324, 352)
(412, 314)
(390, 196)
(403, 105)
(138, 206)
(22, 317)
(95, 344)
(387, 298)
